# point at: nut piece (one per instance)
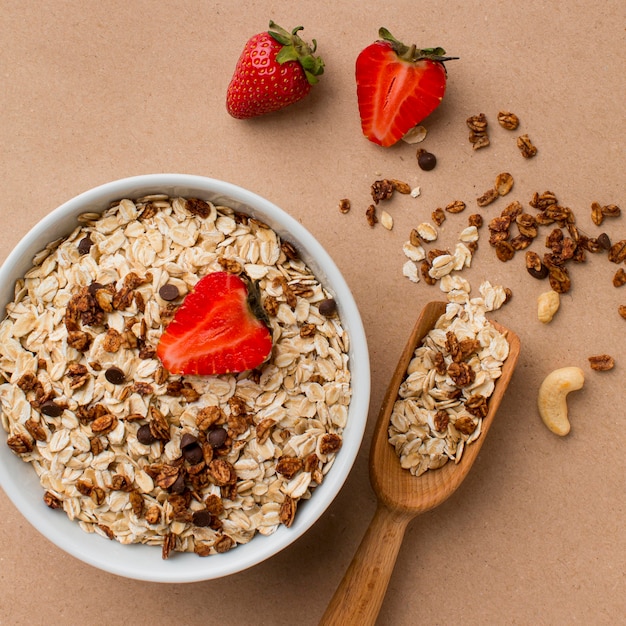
(547, 305)
(344, 205)
(552, 399)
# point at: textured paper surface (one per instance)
(97, 91)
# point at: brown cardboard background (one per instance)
(91, 92)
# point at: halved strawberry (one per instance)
(397, 87)
(216, 330)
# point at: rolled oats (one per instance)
(386, 220)
(426, 231)
(193, 464)
(444, 394)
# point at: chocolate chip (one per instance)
(84, 245)
(51, 409)
(539, 273)
(187, 440)
(145, 436)
(169, 292)
(179, 485)
(327, 307)
(94, 287)
(426, 160)
(217, 437)
(201, 518)
(115, 375)
(193, 454)
(604, 241)
(191, 449)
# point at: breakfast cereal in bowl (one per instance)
(179, 374)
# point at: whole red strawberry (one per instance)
(397, 87)
(275, 69)
(217, 329)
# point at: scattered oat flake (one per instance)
(409, 269)
(413, 252)
(417, 134)
(386, 220)
(427, 231)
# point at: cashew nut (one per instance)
(547, 306)
(552, 397)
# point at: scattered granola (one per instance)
(417, 134)
(478, 136)
(344, 205)
(599, 212)
(526, 146)
(382, 190)
(130, 452)
(444, 396)
(508, 120)
(504, 183)
(620, 278)
(386, 220)
(491, 195)
(601, 362)
(370, 215)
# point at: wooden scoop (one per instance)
(401, 495)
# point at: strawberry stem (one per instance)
(295, 49)
(413, 53)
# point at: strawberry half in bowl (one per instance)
(184, 378)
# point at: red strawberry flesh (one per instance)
(215, 331)
(397, 87)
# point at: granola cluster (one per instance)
(193, 464)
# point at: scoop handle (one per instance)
(360, 594)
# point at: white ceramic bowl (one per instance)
(18, 479)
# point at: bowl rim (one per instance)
(111, 556)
